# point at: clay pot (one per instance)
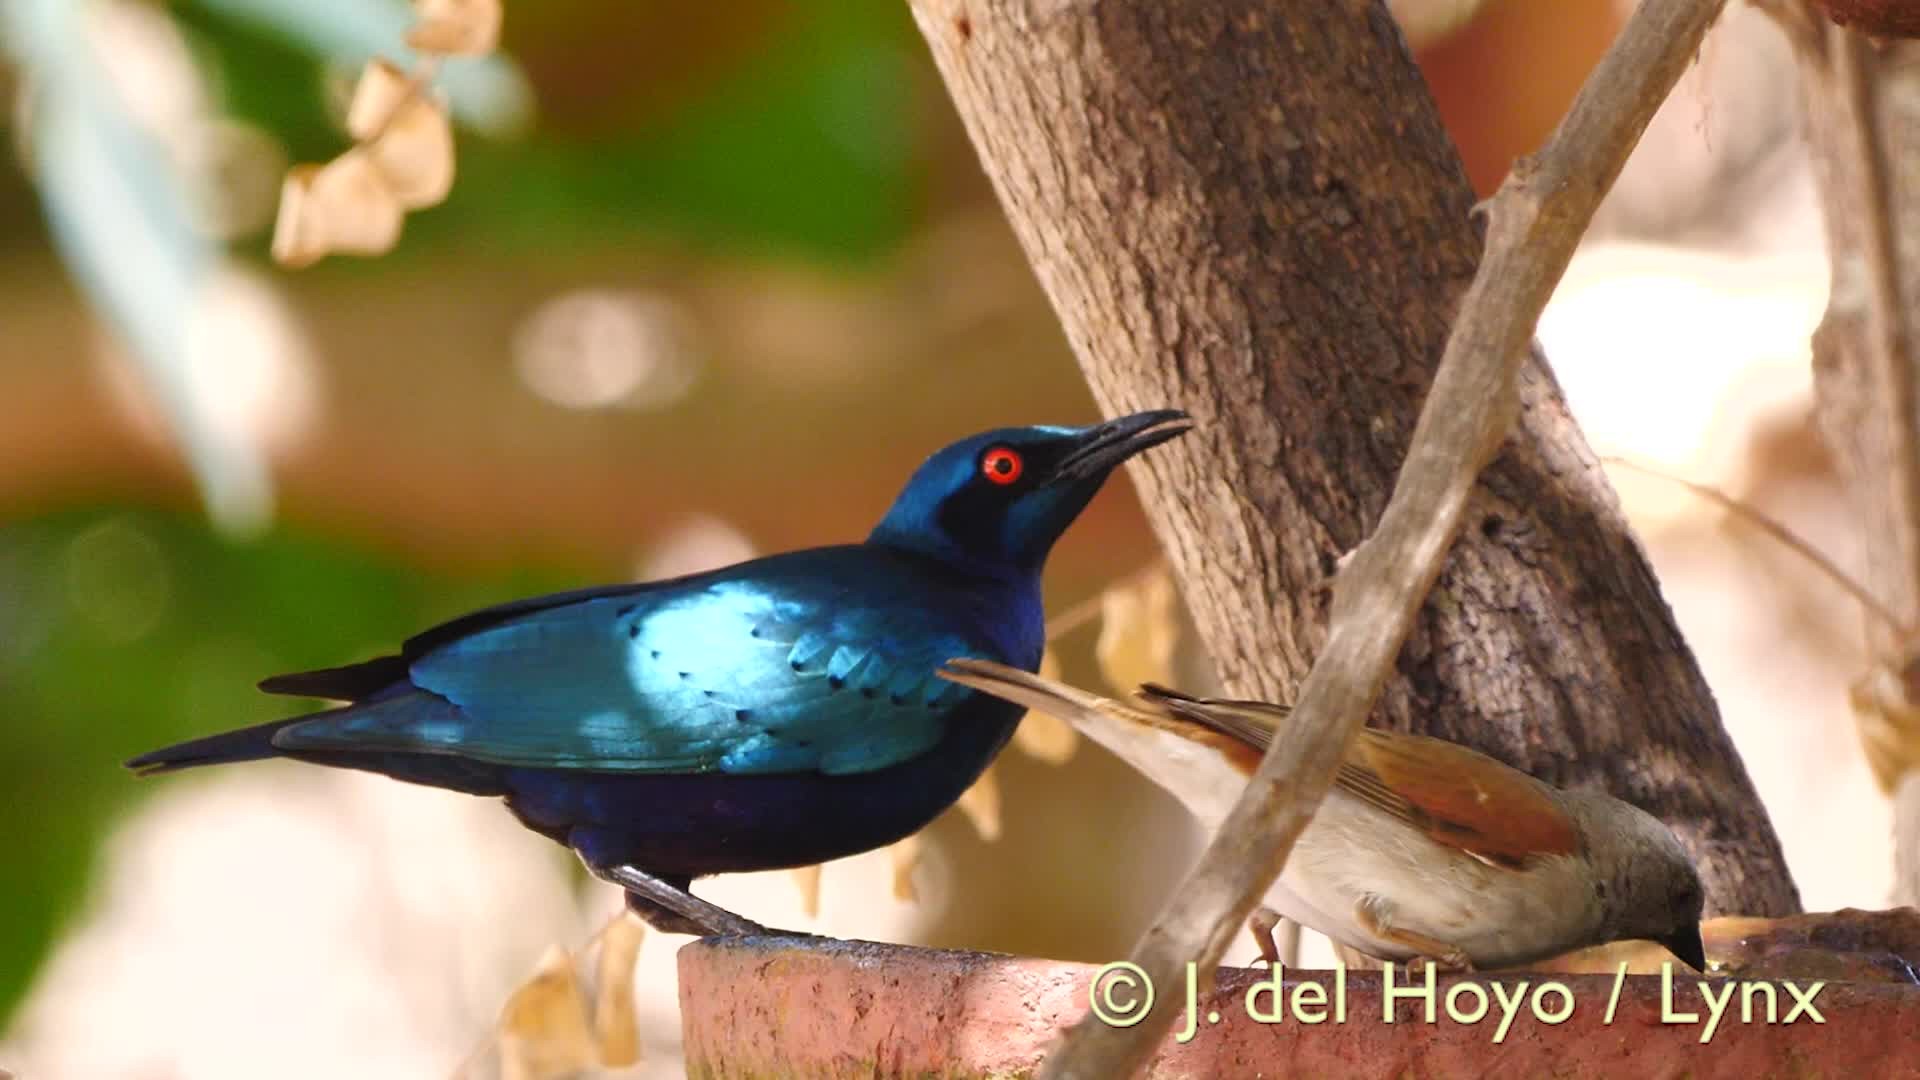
(817, 1007)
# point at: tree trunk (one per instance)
(1863, 130)
(1252, 212)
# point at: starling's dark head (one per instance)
(998, 500)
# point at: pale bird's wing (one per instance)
(1251, 723)
(1456, 796)
(1459, 797)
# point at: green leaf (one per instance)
(122, 631)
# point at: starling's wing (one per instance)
(725, 675)
(1458, 797)
(354, 682)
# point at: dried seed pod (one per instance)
(1139, 628)
(415, 153)
(614, 1022)
(545, 1032)
(456, 27)
(379, 93)
(807, 879)
(343, 206)
(906, 856)
(981, 804)
(406, 131)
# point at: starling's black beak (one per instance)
(1686, 945)
(1115, 441)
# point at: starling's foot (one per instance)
(672, 909)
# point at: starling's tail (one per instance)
(257, 743)
(247, 744)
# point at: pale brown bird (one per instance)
(1423, 849)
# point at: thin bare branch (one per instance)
(1892, 622)
(1534, 224)
(1087, 610)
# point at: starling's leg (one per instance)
(663, 919)
(1376, 917)
(695, 916)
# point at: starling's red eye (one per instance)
(1001, 465)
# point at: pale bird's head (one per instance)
(1649, 889)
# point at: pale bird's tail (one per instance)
(1025, 688)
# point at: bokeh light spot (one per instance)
(118, 582)
(595, 349)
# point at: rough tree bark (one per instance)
(1862, 122)
(1253, 212)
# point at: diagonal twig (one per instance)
(1089, 609)
(1889, 621)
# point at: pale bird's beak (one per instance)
(1686, 945)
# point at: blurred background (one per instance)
(711, 280)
